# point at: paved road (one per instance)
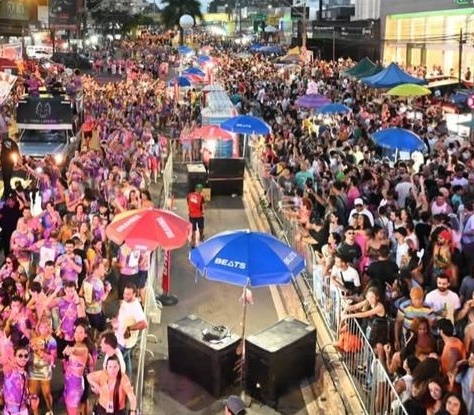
(169, 393)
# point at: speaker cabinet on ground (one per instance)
(211, 365)
(226, 186)
(196, 175)
(278, 358)
(226, 168)
(226, 176)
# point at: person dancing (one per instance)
(113, 388)
(44, 349)
(77, 359)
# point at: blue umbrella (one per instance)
(194, 71)
(204, 58)
(334, 109)
(184, 50)
(182, 81)
(247, 258)
(246, 124)
(312, 101)
(399, 139)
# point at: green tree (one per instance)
(174, 9)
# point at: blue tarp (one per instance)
(391, 76)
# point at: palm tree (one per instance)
(174, 9)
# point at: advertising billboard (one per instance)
(63, 14)
(14, 10)
(41, 112)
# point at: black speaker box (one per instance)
(226, 168)
(278, 358)
(226, 186)
(209, 364)
(196, 175)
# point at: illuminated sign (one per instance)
(14, 10)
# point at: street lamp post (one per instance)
(304, 21)
(304, 27)
(186, 22)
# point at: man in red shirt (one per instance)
(196, 213)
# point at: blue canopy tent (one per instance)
(255, 47)
(275, 49)
(391, 76)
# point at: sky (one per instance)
(204, 4)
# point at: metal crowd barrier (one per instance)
(368, 375)
(152, 308)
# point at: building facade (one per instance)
(367, 9)
(431, 33)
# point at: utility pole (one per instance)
(334, 44)
(304, 27)
(240, 18)
(461, 41)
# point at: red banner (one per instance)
(165, 281)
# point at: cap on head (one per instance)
(358, 201)
(235, 405)
(199, 186)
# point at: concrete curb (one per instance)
(334, 390)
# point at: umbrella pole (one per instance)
(245, 146)
(165, 297)
(242, 371)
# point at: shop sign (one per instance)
(14, 10)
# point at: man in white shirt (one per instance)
(401, 251)
(130, 320)
(459, 178)
(344, 276)
(443, 301)
(361, 209)
(109, 347)
(403, 189)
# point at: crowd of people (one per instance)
(393, 238)
(61, 272)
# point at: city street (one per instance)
(169, 393)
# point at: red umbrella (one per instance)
(211, 132)
(149, 228)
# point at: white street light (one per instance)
(186, 21)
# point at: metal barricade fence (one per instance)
(368, 374)
(151, 307)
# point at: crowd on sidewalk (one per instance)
(60, 271)
(394, 238)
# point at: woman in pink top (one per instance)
(362, 227)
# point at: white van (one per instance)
(39, 52)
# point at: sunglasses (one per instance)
(23, 356)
